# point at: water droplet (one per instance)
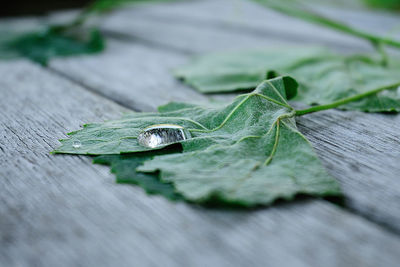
(398, 91)
(76, 144)
(162, 134)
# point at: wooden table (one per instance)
(64, 211)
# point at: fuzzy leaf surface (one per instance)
(246, 153)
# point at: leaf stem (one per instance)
(327, 22)
(343, 101)
(83, 15)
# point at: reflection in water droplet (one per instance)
(76, 144)
(162, 134)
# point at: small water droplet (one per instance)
(162, 134)
(398, 91)
(76, 144)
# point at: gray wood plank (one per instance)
(140, 78)
(16, 25)
(363, 152)
(64, 211)
(129, 73)
(221, 24)
(248, 18)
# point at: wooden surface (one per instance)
(64, 211)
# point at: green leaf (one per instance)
(53, 42)
(324, 77)
(107, 5)
(246, 153)
(387, 4)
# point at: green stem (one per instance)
(329, 23)
(94, 7)
(345, 100)
(83, 15)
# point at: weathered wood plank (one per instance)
(366, 192)
(223, 24)
(248, 18)
(17, 25)
(63, 211)
(362, 151)
(140, 79)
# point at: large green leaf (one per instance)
(248, 152)
(323, 76)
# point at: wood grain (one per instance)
(133, 75)
(362, 151)
(63, 211)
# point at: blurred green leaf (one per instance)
(107, 5)
(324, 76)
(62, 40)
(387, 4)
(53, 42)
